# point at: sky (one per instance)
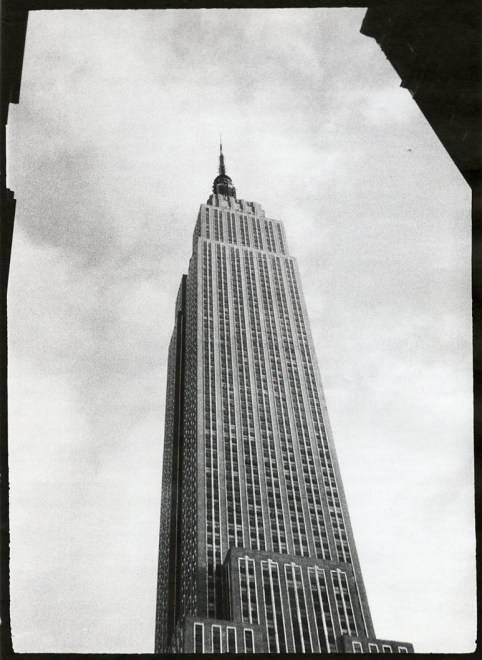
(112, 149)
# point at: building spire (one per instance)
(222, 167)
(223, 184)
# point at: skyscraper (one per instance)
(256, 549)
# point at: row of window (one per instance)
(299, 635)
(233, 495)
(223, 640)
(212, 494)
(303, 637)
(238, 228)
(252, 478)
(357, 647)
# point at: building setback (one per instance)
(256, 552)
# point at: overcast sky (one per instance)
(112, 149)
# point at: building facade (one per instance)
(256, 549)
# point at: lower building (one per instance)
(276, 603)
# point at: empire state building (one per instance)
(256, 550)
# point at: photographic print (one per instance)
(240, 342)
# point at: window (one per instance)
(298, 611)
(402, 649)
(231, 640)
(247, 585)
(199, 638)
(322, 609)
(273, 607)
(248, 641)
(357, 647)
(386, 648)
(216, 633)
(343, 601)
(372, 648)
